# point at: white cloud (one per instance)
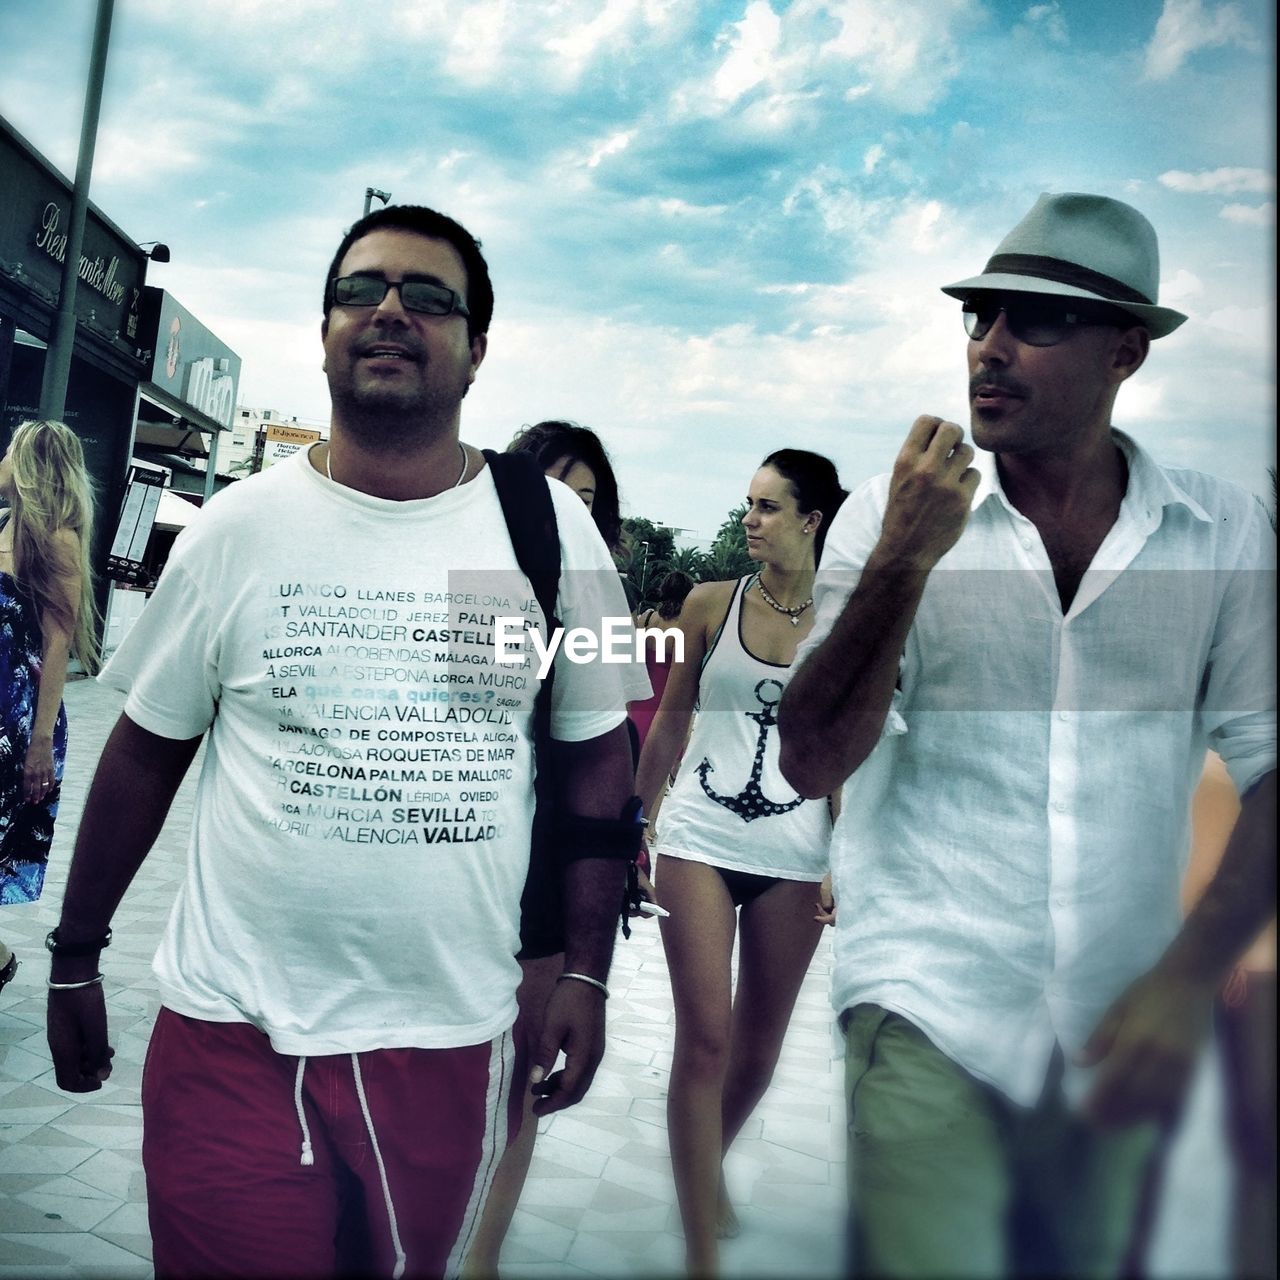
(1050, 20)
(1263, 215)
(753, 44)
(610, 146)
(919, 226)
(1185, 26)
(1253, 324)
(1225, 181)
(1141, 401)
(872, 157)
(1181, 289)
(475, 50)
(141, 144)
(901, 51)
(675, 208)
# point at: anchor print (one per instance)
(751, 803)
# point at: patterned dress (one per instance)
(26, 830)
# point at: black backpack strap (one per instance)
(535, 536)
(531, 522)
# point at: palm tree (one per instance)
(687, 560)
(728, 556)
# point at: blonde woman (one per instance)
(46, 615)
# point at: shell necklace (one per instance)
(793, 613)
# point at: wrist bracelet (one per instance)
(74, 986)
(73, 950)
(591, 982)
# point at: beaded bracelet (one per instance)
(591, 982)
(73, 986)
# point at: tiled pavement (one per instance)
(599, 1199)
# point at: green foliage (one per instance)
(647, 550)
(644, 566)
(728, 556)
(688, 560)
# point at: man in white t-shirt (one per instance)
(1017, 665)
(332, 1076)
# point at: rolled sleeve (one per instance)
(1239, 706)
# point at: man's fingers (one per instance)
(547, 1095)
(566, 1087)
(1100, 1040)
(98, 1054)
(1130, 1091)
(77, 1034)
(960, 459)
(947, 437)
(920, 434)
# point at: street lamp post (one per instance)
(371, 194)
(57, 359)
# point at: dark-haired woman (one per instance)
(736, 846)
(46, 615)
(575, 456)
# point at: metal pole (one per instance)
(57, 359)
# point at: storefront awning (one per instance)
(174, 512)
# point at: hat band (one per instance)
(1062, 272)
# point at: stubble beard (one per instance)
(395, 419)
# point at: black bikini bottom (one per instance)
(745, 886)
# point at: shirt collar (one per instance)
(989, 486)
(1150, 486)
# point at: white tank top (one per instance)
(730, 805)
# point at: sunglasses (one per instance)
(1039, 322)
(415, 295)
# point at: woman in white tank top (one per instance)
(734, 839)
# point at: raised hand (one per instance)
(930, 493)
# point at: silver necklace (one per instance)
(793, 613)
(462, 448)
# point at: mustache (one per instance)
(998, 379)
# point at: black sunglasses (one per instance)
(415, 295)
(1039, 322)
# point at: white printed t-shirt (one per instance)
(361, 829)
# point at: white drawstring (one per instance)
(382, 1170)
(307, 1157)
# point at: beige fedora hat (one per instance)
(1081, 246)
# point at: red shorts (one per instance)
(260, 1164)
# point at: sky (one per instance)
(714, 229)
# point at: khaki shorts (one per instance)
(947, 1177)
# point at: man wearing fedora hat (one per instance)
(1019, 658)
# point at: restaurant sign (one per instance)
(35, 216)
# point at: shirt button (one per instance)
(1064, 715)
(1060, 805)
(1026, 542)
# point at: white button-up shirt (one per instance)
(1008, 858)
